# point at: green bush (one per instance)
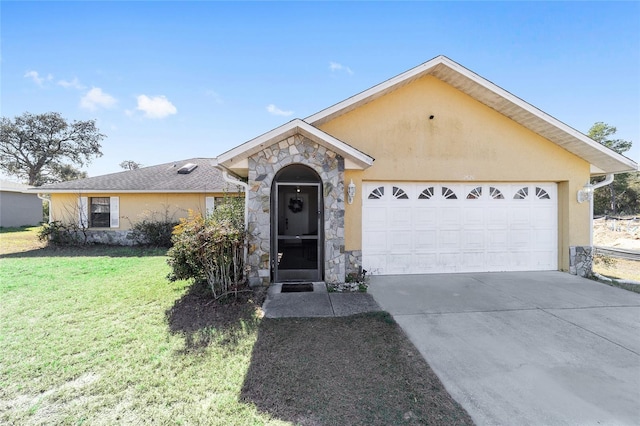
(155, 233)
(62, 234)
(211, 249)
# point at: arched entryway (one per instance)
(297, 225)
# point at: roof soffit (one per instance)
(234, 159)
(491, 95)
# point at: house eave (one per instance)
(236, 159)
(126, 191)
(493, 96)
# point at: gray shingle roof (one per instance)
(160, 178)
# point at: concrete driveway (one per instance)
(538, 348)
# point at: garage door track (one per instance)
(525, 348)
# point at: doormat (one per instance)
(296, 288)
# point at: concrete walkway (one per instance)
(535, 348)
(318, 303)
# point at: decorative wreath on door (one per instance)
(295, 205)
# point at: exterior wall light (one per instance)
(586, 193)
(351, 192)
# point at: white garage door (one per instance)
(414, 228)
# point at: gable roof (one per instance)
(161, 178)
(236, 158)
(602, 159)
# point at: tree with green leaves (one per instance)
(623, 193)
(130, 165)
(43, 148)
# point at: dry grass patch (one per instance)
(622, 269)
(358, 370)
(19, 240)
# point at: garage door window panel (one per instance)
(399, 193)
(427, 193)
(448, 193)
(475, 193)
(521, 193)
(495, 193)
(542, 194)
(377, 193)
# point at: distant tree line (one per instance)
(622, 196)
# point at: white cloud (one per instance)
(156, 107)
(214, 95)
(96, 98)
(75, 84)
(334, 66)
(35, 76)
(274, 110)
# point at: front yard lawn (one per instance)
(99, 336)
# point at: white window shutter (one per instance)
(114, 211)
(210, 204)
(83, 212)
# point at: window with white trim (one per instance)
(99, 212)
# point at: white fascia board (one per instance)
(345, 150)
(126, 191)
(428, 67)
(249, 148)
(236, 156)
(365, 96)
(538, 113)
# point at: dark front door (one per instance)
(297, 239)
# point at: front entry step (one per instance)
(296, 288)
(316, 303)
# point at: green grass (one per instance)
(84, 337)
(97, 335)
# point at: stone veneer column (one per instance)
(581, 260)
(263, 167)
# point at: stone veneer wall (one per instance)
(354, 261)
(110, 236)
(581, 260)
(263, 166)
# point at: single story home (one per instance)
(435, 170)
(17, 207)
(108, 206)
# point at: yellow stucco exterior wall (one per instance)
(134, 207)
(465, 141)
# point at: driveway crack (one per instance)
(589, 331)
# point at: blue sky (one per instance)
(172, 80)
